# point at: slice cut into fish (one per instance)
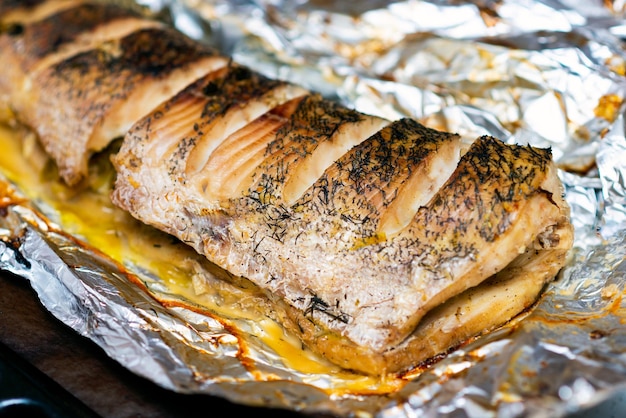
(106, 76)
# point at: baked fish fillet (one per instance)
(357, 227)
(98, 66)
(380, 243)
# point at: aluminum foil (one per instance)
(537, 72)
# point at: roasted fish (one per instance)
(380, 243)
(100, 67)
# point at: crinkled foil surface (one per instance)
(547, 73)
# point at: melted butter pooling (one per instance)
(87, 213)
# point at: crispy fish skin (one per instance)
(92, 83)
(49, 35)
(29, 46)
(104, 87)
